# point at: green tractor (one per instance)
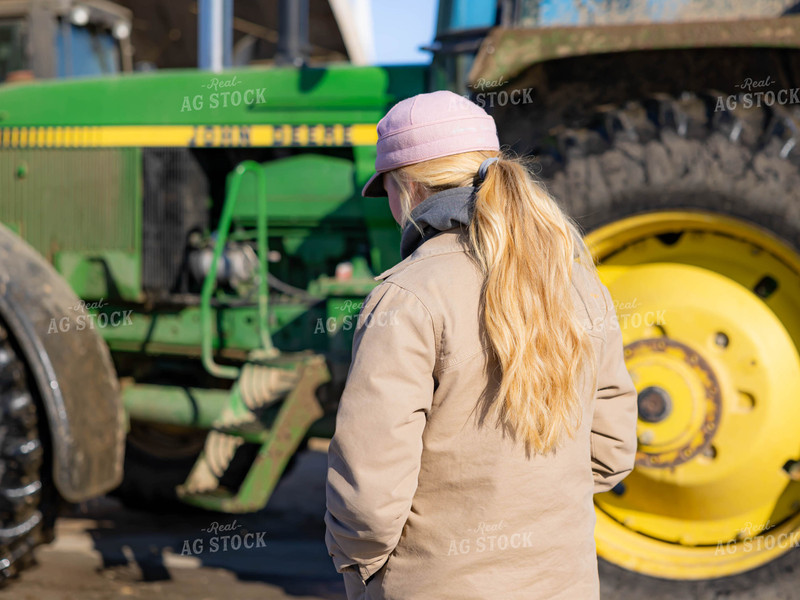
(183, 254)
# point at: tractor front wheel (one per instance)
(28, 500)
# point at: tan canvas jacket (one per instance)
(428, 501)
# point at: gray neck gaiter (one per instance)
(439, 212)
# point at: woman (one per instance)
(487, 399)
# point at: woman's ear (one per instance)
(418, 193)
(412, 190)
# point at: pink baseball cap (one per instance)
(428, 126)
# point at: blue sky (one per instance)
(400, 28)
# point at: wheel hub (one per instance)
(668, 437)
(654, 404)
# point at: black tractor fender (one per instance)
(72, 371)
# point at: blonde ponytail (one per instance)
(525, 246)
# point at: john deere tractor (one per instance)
(182, 254)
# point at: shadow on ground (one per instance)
(286, 539)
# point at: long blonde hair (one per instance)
(525, 246)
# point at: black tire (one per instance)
(667, 153)
(28, 500)
(153, 471)
(776, 580)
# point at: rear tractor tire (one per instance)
(694, 217)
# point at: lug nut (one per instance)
(646, 437)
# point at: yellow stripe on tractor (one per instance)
(200, 136)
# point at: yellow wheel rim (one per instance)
(709, 308)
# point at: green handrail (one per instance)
(210, 282)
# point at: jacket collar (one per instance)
(444, 242)
(442, 217)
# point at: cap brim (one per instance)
(374, 187)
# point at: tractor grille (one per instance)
(175, 194)
(76, 200)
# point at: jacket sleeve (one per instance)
(374, 456)
(613, 436)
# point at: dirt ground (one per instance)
(104, 551)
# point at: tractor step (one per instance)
(271, 404)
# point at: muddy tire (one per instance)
(681, 153)
(28, 500)
(774, 581)
(667, 153)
